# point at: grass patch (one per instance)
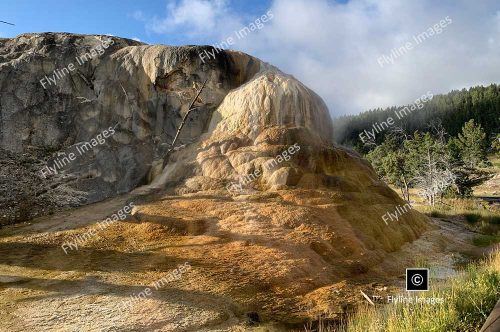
(486, 240)
(421, 261)
(484, 216)
(479, 215)
(493, 219)
(437, 214)
(472, 217)
(468, 297)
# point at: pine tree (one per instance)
(453, 109)
(472, 144)
(390, 162)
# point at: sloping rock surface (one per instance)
(272, 217)
(62, 93)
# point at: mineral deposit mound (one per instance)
(275, 222)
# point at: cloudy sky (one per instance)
(334, 47)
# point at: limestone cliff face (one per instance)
(272, 99)
(49, 111)
(59, 91)
(103, 127)
(272, 215)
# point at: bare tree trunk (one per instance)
(190, 109)
(430, 170)
(406, 194)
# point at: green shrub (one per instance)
(469, 297)
(485, 240)
(436, 214)
(476, 295)
(492, 219)
(472, 217)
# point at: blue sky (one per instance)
(114, 17)
(343, 50)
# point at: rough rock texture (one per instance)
(273, 218)
(142, 90)
(25, 196)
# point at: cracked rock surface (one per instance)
(279, 225)
(140, 90)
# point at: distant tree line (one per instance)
(482, 104)
(439, 147)
(433, 161)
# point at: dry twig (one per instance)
(190, 109)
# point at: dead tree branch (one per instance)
(85, 100)
(125, 92)
(183, 122)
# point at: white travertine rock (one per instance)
(272, 99)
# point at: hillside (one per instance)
(252, 216)
(452, 110)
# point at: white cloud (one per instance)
(196, 18)
(333, 48)
(138, 15)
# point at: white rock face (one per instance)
(144, 90)
(250, 115)
(270, 214)
(268, 100)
